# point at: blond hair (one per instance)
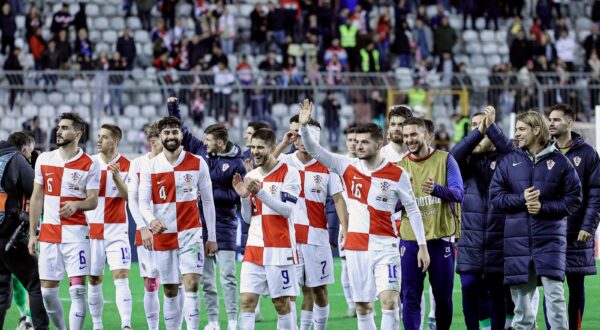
(535, 119)
(152, 130)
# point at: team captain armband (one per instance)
(285, 197)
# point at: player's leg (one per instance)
(441, 279)
(362, 285)
(191, 265)
(51, 268)
(431, 323)
(351, 312)
(319, 273)
(6, 292)
(209, 288)
(388, 286)
(170, 278)
(282, 285)
(248, 303)
(149, 273)
(307, 298)
(496, 289)
(471, 287)
(95, 294)
(554, 295)
(576, 300)
(77, 256)
(412, 285)
(227, 271)
(306, 315)
(20, 298)
(522, 295)
(253, 283)
(118, 255)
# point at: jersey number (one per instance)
(356, 187)
(162, 193)
(49, 184)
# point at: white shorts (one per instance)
(173, 264)
(317, 269)
(55, 258)
(272, 281)
(372, 272)
(116, 253)
(147, 262)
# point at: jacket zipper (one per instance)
(530, 238)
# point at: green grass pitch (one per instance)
(336, 319)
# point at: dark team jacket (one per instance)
(17, 181)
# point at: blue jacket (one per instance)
(222, 168)
(539, 238)
(480, 247)
(580, 255)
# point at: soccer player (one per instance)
(439, 190)
(169, 189)
(537, 188)
(253, 126)
(375, 187)
(395, 149)
(143, 236)
(67, 181)
(581, 225)
(269, 194)
(315, 270)
(350, 133)
(109, 234)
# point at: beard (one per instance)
(259, 160)
(417, 151)
(396, 138)
(171, 147)
(64, 142)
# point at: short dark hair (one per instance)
(169, 122)
(311, 122)
(566, 109)
(19, 139)
(400, 111)
(415, 121)
(430, 126)
(256, 125)
(266, 135)
(350, 130)
(371, 128)
(219, 131)
(78, 122)
(114, 130)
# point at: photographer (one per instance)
(16, 184)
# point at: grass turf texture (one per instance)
(336, 319)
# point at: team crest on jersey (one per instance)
(273, 190)
(225, 167)
(550, 164)
(188, 178)
(75, 176)
(493, 165)
(318, 179)
(385, 186)
(577, 161)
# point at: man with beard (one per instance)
(143, 236)
(315, 270)
(170, 187)
(375, 186)
(67, 182)
(480, 260)
(269, 194)
(439, 191)
(109, 234)
(395, 149)
(253, 126)
(536, 187)
(581, 225)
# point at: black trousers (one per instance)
(19, 262)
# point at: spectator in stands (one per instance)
(222, 91)
(51, 61)
(80, 20)
(469, 8)
(369, 57)
(331, 109)
(126, 47)
(259, 105)
(63, 47)
(566, 48)
(520, 51)
(218, 57)
(195, 50)
(167, 9)
(402, 46)
(543, 10)
(423, 39)
(348, 41)
(334, 68)
(15, 79)
(117, 64)
(270, 64)
(491, 11)
(62, 19)
(32, 20)
(422, 14)
(161, 32)
(8, 27)
(447, 67)
(592, 42)
(402, 8)
(144, 9)
(536, 29)
(416, 95)
(444, 37)
(462, 127)
(336, 50)
(227, 31)
(83, 47)
(592, 66)
(515, 28)
(178, 32)
(258, 30)
(545, 48)
(39, 134)
(596, 12)
(276, 23)
(37, 45)
(384, 26)
(442, 138)
(436, 20)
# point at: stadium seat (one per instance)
(480, 23)
(39, 98)
(489, 48)
(279, 110)
(347, 110)
(48, 111)
(101, 23)
(470, 36)
(125, 123)
(486, 36)
(102, 46)
(294, 110)
(149, 111)
(9, 123)
(492, 60)
(63, 109)
(246, 10)
(141, 36)
(131, 136)
(92, 10)
(95, 36)
(474, 47)
(109, 10)
(134, 23)
(83, 111)
(501, 36)
(184, 9)
(30, 110)
(583, 23)
(109, 37)
(477, 61)
(72, 98)
(117, 23)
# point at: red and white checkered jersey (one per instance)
(109, 220)
(372, 198)
(133, 184)
(169, 193)
(317, 182)
(64, 182)
(271, 238)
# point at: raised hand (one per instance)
(490, 113)
(289, 138)
(172, 99)
(306, 109)
(240, 186)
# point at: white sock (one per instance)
(423, 306)
(294, 314)
(320, 316)
(366, 322)
(171, 313)
(191, 310)
(346, 286)
(123, 300)
(431, 305)
(53, 307)
(78, 306)
(180, 302)
(247, 321)
(286, 322)
(306, 320)
(152, 309)
(390, 319)
(257, 309)
(535, 301)
(96, 304)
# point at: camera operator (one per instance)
(16, 185)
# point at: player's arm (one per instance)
(134, 205)
(591, 216)
(465, 147)
(246, 210)
(342, 211)
(502, 197)
(285, 204)
(454, 190)
(570, 201)
(121, 186)
(92, 187)
(503, 144)
(208, 207)
(36, 205)
(189, 142)
(286, 142)
(145, 201)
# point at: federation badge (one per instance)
(550, 164)
(188, 178)
(75, 176)
(385, 186)
(273, 189)
(225, 167)
(493, 165)
(318, 179)
(577, 161)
